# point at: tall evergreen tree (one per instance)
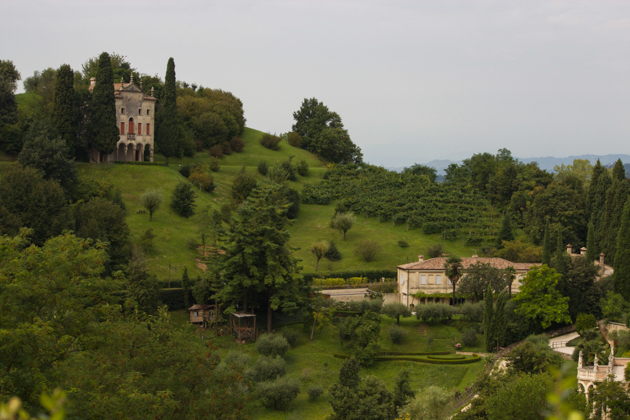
(590, 242)
(622, 257)
(487, 319)
(505, 234)
(103, 122)
(63, 116)
(598, 211)
(186, 287)
(598, 169)
(614, 220)
(560, 252)
(619, 172)
(168, 133)
(546, 255)
(499, 321)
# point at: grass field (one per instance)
(312, 363)
(311, 224)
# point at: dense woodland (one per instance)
(80, 312)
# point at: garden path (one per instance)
(559, 343)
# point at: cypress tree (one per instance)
(598, 212)
(546, 255)
(487, 319)
(63, 107)
(590, 242)
(560, 252)
(499, 321)
(103, 112)
(168, 134)
(619, 200)
(598, 169)
(505, 234)
(619, 171)
(622, 257)
(186, 287)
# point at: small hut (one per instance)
(243, 326)
(201, 313)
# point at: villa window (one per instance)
(438, 279)
(148, 111)
(122, 110)
(131, 128)
(423, 279)
(139, 112)
(402, 279)
(148, 129)
(140, 128)
(122, 128)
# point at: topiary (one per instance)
(333, 253)
(272, 345)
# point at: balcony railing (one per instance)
(131, 136)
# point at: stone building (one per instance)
(589, 376)
(429, 276)
(135, 118)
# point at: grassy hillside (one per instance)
(312, 223)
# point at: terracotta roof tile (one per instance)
(438, 264)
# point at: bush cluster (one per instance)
(237, 144)
(272, 345)
(294, 139)
(214, 165)
(314, 194)
(435, 251)
(236, 358)
(279, 393)
(302, 168)
(216, 151)
(333, 253)
(263, 167)
(473, 312)
(267, 369)
(433, 312)
(469, 337)
(370, 275)
(183, 200)
(314, 392)
(368, 249)
(291, 336)
(270, 141)
(403, 244)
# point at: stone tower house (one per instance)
(135, 118)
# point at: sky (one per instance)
(413, 81)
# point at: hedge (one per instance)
(371, 275)
(121, 162)
(175, 284)
(422, 353)
(456, 357)
(346, 313)
(473, 359)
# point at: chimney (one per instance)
(569, 249)
(583, 251)
(151, 91)
(420, 258)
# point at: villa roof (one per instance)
(438, 264)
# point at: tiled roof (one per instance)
(438, 264)
(197, 307)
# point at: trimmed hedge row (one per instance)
(121, 162)
(372, 275)
(422, 353)
(473, 359)
(456, 357)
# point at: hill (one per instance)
(173, 232)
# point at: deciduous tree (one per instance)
(343, 223)
(151, 200)
(319, 248)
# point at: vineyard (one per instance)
(454, 211)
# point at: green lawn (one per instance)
(311, 224)
(313, 364)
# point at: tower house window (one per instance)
(122, 110)
(148, 129)
(148, 110)
(122, 127)
(131, 127)
(140, 128)
(438, 279)
(139, 112)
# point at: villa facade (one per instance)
(135, 113)
(429, 276)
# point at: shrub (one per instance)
(216, 151)
(225, 148)
(146, 239)
(314, 392)
(237, 144)
(214, 165)
(368, 249)
(200, 178)
(268, 369)
(118, 200)
(270, 141)
(434, 312)
(185, 170)
(366, 305)
(243, 186)
(435, 251)
(294, 139)
(236, 358)
(473, 312)
(430, 228)
(314, 194)
(183, 200)
(291, 336)
(333, 253)
(302, 168)
(263, 167)
(396, 310)
(192, 243)
(289, 169)
(279, 393)
(397, 335)
(469, 337)
(272, 345)
(403, 244)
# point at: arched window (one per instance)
(131, 127)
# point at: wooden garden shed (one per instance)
(200, 313)
(243, 327)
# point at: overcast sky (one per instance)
(412, 80)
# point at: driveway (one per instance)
(559, 343)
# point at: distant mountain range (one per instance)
(547, 163)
